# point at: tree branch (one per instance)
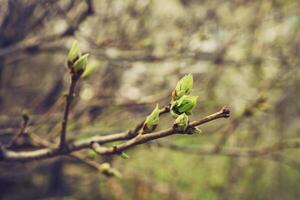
(45, 153)
(69, 100)
(25, 120)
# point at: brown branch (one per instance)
(44, 153)
(140, 139)
(69, 100)
(25, 120)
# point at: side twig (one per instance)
(45, 153)
(25, 120)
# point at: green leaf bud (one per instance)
(89, 70)
(183, 105)
(197, 131)
(105, 166)
(152, 120)
(181, 122)
(184, 87)
(124, 155)
(193, 130)
(81, 63)
(108, 171)
(91, 154)
(74, 52)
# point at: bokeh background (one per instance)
(243, 54)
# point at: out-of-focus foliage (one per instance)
(243, 54)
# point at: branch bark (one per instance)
(69, 100)
(44, 153)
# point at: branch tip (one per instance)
(226, 112)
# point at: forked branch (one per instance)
(8, 155)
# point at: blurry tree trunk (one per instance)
(52, 96)
(117, 190)
(57, 186)
(237, 171)
(1, 82)
(140, 190)
(233, 176)
(279, 173)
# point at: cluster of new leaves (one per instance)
(181, 106)
(77, 61)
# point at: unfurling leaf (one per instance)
(105, 166)
(152, 120)
(89, 70)
(197, 131)
(183, 105)
(74, 52)
(81, 63)
(124, 155)
(91, 154)
(181, 122)
(183, 87)
(108, 171)
(193, 130)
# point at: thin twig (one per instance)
(69, 100)
(45, 153)
(25, 120)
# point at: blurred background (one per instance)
(243, 54)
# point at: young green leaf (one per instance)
(108, 171)
(81, 63)
(197, 131)
(181, 122)
(91, 154)
(89, 70)
(74, 52)
(183, 87)
(124, 155)
(105, 166)
(152, 120)
(193, 130)
(183, 105)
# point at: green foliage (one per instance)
(181, 101)
(74, 52)
(197, 130)
(193, 130)
(181, 122)
(89, 70)
(107, 170)
(183, 105)
(233, 64)
(152, 120)
(183, 87)
(78, 62)
(124, 155)
(81, 63)
(91, 154)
